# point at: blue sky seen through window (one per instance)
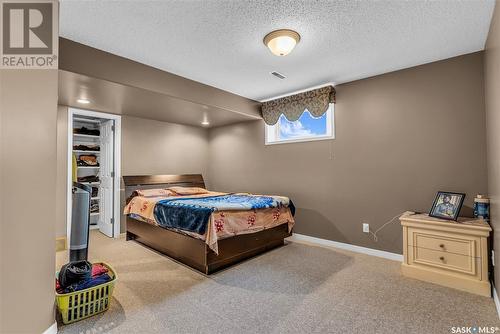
(305, 126)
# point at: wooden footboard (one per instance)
(238, 248)
(196, 254)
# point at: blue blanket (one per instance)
(192, 214)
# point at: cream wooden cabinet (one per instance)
(449, 253)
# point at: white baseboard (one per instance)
(52, 329)
(497, 301)
(358, 249)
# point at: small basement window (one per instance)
(306, 128)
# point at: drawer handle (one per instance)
(441, 258)
(441, 245)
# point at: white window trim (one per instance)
(330, 120)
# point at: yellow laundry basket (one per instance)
(78, 305)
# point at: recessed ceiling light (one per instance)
(205, 123)
(83, 101)
(281, 42)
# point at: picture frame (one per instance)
(447, 205)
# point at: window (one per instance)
(306, 128)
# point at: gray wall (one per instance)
(400, 137)
(152, 147)
(28, 104)
(148, 147)
(492, 99)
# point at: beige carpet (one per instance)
(294, 289)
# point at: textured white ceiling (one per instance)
(219, 43)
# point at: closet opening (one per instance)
(94, 146)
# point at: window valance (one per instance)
(315, 101)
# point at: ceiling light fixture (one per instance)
(205, 123)
(281, 42)
(83, 101)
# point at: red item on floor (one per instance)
(98, 269)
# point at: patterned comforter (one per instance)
(193, 214)
(212, 216)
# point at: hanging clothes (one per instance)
(74, 169)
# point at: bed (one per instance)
(160, 211)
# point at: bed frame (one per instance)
(191, 251)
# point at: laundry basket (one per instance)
(78, 305)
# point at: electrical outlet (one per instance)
(366, 228)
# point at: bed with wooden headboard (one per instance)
(189, 250)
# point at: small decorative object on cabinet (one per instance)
(447, 205)
(448, 253)
(482, 207)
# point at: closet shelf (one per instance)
(88, 152)
(94, 213)
(86, 120)
(85, 136)
(94, 198)
(87, 166)
(91, 183)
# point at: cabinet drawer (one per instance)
(443, 260)
(444, 242)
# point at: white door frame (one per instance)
(117, 166)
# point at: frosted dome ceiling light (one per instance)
(281, 42)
